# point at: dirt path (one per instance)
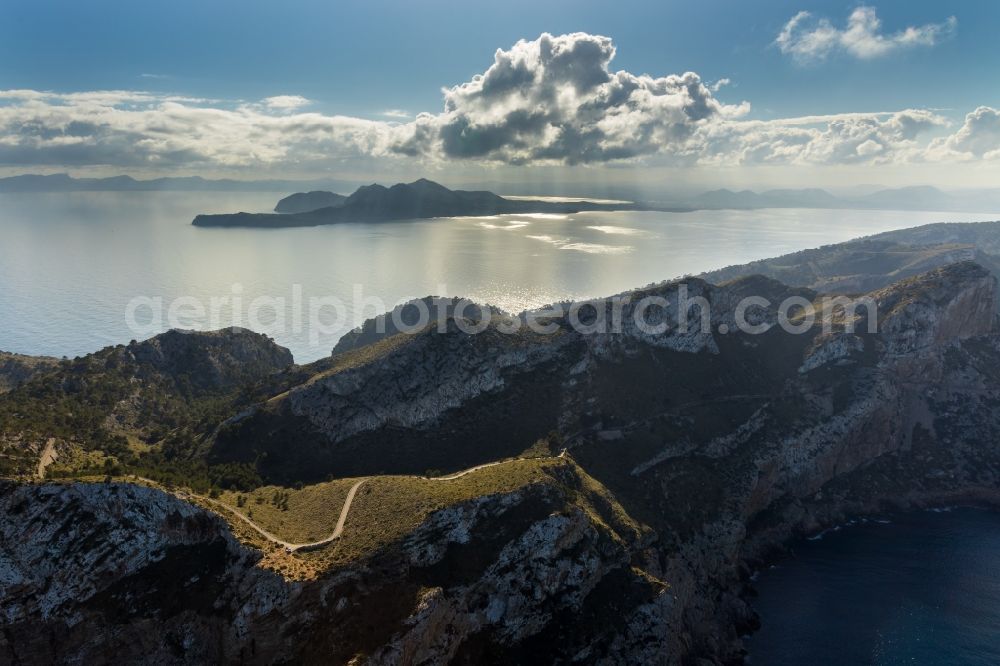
(292, 547)
(338, 530)
(459, 475)
(344, 512)
(186, 496)
(246, 519)
(48, 457)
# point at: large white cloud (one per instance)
(862, 37)
(552, 100)
(556, 99)
(977, 138)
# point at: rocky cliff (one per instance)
(209, 359)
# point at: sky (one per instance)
(671, 94)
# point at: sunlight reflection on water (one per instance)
(70, 262)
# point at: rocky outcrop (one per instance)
(102, 573)
(430, 374)
(935, 308)
(16, 369)
(906, 435)
(212, 359)
(412, 316)
(550, 568)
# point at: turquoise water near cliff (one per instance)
(922, 589)
(71, 262)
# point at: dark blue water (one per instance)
(922, 589)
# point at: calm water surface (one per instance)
(922, 589)
(71, 262)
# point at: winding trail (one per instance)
(344, 512)
(292, 547)
(48, 457)
(339, 529)
(459, 475)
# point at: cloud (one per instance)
(138, 129)
(810, 41)
(557, 100)
(826, 140)
(978, 137)
(285, 102)
(554, 100)
(396, 113)
(717, 86)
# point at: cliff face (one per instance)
(913, 427)
(95, 573)
(210, 360)
(690, 457)
(937, 308)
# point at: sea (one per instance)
(80, 271)
(915, 588)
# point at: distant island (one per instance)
(304, 202)
(405, 201)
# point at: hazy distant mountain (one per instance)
(405, 201)
(905, 198)
(925, 197)
(807, 198)
(61, 182)
(311, 193)
(304, 202)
